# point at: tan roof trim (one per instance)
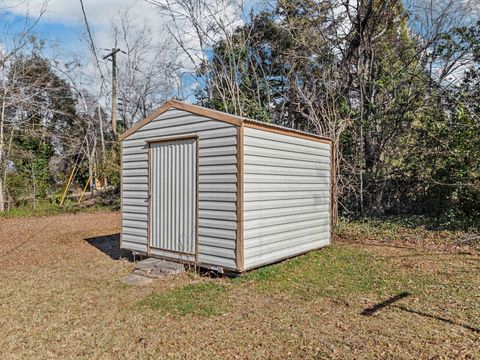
(221, 116)
(214, 114)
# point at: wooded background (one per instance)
(395, 84)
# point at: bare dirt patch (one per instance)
(61, 297)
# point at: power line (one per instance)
(94, 51)
(92, 44)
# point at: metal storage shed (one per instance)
(224, 192)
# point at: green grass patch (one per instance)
(343, 271)
(336, 271)
(40, 209)
(46, 208)
(203, 299)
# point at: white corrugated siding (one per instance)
(217, 184)
(286, 196)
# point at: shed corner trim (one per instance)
(239, 251)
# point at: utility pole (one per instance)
(113, 55)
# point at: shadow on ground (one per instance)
(391, 302)
(388, 302)
(110, 245)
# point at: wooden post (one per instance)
(114, 91)
(113, 55)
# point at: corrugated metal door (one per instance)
(173, 195)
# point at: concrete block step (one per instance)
(153, 268)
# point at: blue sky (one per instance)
(62, 25)
(62, 22)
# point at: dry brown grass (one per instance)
(61, 297)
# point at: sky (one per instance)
(62, 22)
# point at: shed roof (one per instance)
(220, 116)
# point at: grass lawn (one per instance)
(378, 292)
(46, 208)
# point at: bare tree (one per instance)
(431, 22)
(147, 71)
(197, 26)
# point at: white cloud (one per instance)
(69, 11)
(102, 15)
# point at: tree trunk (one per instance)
(34, 188)
(335, 176)
(2, 153)
(2, 196)
(91, 168)
(102, 139)
(90, 173)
